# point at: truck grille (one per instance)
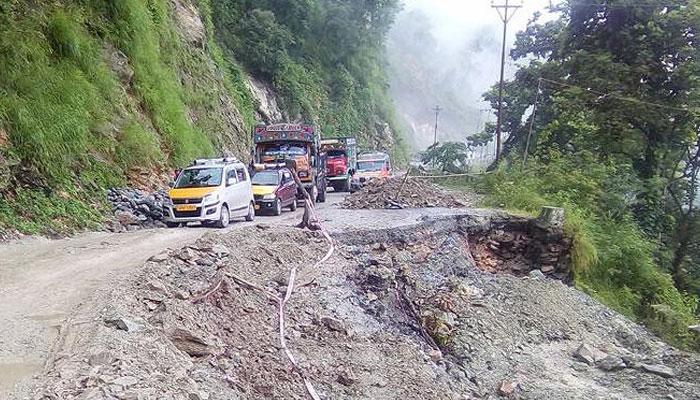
(188, 214)
(187, 201)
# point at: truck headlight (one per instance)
(211, 198)
(270, 196)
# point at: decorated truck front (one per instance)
(341, 155)
(280, 143)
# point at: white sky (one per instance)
(456, 21)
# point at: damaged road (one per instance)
(408, 307)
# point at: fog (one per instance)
(447, 53)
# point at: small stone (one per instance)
(507, 388)
(347, 377)
(588, 354)
(220, 250)
(102, 358)
(125, 381)
(547, 269)
(660, 370)
(435, 355)
(186, 254)
(536, 274)
(611, 363)
(124, 324)
(333, 324)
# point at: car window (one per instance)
(266, 178)
(241, 175)
(231, 174)
(199, 177)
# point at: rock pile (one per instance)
(134, 209)
(400, 193)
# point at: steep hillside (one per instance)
(100, 93)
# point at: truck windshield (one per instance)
(277, 150)
(370, 165)
(266, 178)
(336, 153)
(199, 177)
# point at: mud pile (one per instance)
(394, 314)
(405, 193)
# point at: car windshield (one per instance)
(266, 178)
(370, 165)
(199, 177)
(277, 150)
(336, 153)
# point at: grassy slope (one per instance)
(69, 128)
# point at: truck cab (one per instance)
(280, 143)
(341, 155)
(370, 166)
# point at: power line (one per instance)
(503, 12)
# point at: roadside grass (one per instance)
(613, 261)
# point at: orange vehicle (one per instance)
(279, 143)
(370, 166)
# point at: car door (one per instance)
(230, 190)
(243, 190)
(288, 188)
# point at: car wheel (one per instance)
(278, 207)
(224, 218)
(251, 213)
(172, 224)
(293, 206)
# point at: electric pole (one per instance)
(437, 110)
(506, 15)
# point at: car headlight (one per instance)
(211, 198)
(270, 196)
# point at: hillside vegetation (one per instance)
(93, 92)
(614, 141)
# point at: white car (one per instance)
(211, 191)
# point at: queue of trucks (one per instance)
(286, 159)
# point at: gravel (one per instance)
(393, 314)
(400, 193)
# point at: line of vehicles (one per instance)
(215, 191)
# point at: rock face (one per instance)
(268, 110)
(134, 209)
(189, 23)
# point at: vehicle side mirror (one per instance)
(171, 184)
(231, 181)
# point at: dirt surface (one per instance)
(44, 283)
(402, 310)
(402, 192)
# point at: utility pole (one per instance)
(506, 15)
(437, 110)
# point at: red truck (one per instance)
(341, 156)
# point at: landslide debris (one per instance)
(135, 209)
(398, 192)
(393, 315)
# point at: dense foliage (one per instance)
(615, 140)
(93, 91)
(325, 57)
